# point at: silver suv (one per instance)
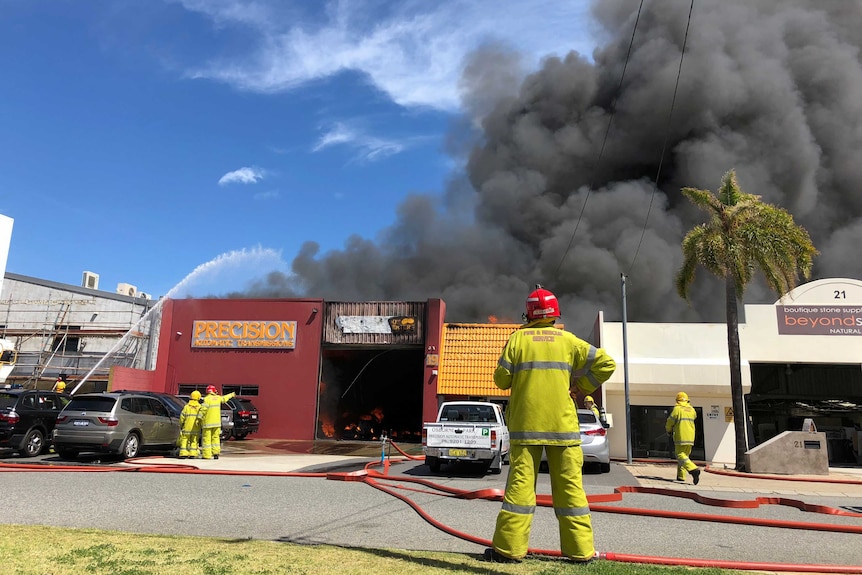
(123, 423)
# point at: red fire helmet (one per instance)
(211, 389)
(541, 303)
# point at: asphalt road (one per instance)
(321, 511)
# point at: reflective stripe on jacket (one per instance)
(681, 423)
(539, 364)
(210, 413)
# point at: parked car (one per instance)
(594, 442)
(27, 418)
(246, 418)
(172, 403)
(226, 417)
(124, 423)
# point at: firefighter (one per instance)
(680, 425)
(59, 385)
(190, 428)
(541, 364)
(210, 416)
(591, 405)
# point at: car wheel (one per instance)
(131, 446)
(225, 435)
(240, 435)
(606, 467)
(496, 465)
(65, 453)
(34, 443)
(433, 463)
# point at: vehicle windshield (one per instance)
(91, 404)
(245, 405)
(7, 400)
(587, 417)
(473, 413)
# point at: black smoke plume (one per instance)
(772, 89)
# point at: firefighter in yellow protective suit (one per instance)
(540, 364)
(210, 416)
(680, 424)
(190, 427)
(589, 403)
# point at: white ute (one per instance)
(467, 431)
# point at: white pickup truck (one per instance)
(467, 431)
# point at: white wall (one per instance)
(5, 242)
(664, 359)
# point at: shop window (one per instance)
(187, 388)
(241, 390)
(649, 438)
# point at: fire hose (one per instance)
(373, 478)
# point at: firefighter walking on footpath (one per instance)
(210, 416)
(541, 364)
(680, 424)
(190, 427)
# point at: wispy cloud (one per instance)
(242, 176)
(411, 50)
(367, 147)
(268, 195)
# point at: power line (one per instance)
(666, 136)
(604, 141)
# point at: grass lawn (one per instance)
(36, 550)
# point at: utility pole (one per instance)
(626, 372)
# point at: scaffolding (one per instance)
(70, 338)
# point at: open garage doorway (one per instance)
(367, 392)
(783, 395)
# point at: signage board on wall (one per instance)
(819, 319)
(376, 324)
(244, 334)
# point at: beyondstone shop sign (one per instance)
(819, 320)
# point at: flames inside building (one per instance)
(366, 393)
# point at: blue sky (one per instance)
(142, 140)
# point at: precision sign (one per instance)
(241, 334)
(819, 319)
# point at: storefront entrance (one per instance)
(367, 393)
(783, 395)
(649, 438)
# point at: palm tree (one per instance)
(743, 235)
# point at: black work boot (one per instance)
(494, 557)
(695, 476)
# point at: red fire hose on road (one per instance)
(375, 479)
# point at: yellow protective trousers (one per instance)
(189, 443)
(210, 442)
(683, 463)
(512, 533)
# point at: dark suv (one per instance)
(246, 418)
(27, 418)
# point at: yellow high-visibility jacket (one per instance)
(210, 413)
(189, 422)
(539, 364)
(681, 423)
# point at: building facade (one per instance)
(65, 330)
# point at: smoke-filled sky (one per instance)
(772, 89)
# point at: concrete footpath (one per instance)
(283, 456)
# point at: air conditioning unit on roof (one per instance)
(127, 289)
(90, 280)
(144, 295)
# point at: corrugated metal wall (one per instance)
(338, 314)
